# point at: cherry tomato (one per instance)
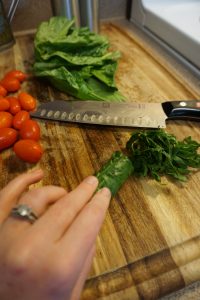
(27, 102)
(11, 84)
(3, 91)
(30, 130)
(17, 75)
(28, 150)
(4, 104)
(15, 106)
(5, 119)
(8, 136)
(20, 118)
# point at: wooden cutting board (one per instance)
(149, 244)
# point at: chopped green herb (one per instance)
(156, 153)
(150, 153)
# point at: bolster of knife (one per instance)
(182, 109)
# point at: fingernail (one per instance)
(105, 192)
(91, 180)
(37, 171)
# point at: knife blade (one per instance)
(127, 114)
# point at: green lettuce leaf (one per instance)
(79, 86)
(115, 172)
(76, 61)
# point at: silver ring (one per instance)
(22, 211)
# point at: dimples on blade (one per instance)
(103, 113)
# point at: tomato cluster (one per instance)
(16, 126)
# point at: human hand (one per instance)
(49, 259)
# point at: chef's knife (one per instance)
(152, 115)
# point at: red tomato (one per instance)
(27, 102)
(3, 91)
(20, 118)
(30, 130)
(28, 150)
(11, 84)
(4, 104)
(17, 75)
(8, 136)
(15, 106)
(5, 119)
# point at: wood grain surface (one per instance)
(149, 244)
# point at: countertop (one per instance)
(149, 244)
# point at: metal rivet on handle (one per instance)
(183, 103)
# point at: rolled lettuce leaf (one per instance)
(115, 172)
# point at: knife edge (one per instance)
(148, 115)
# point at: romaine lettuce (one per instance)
(76, 61)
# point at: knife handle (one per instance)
(183, 109)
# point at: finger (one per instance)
(38, 200)
(59, 216)
(13, 190)
(76, 293)
(82, 233)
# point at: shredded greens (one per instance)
(76, 61)
(152, 153)
(155, 153)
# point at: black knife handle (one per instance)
(182, 109)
